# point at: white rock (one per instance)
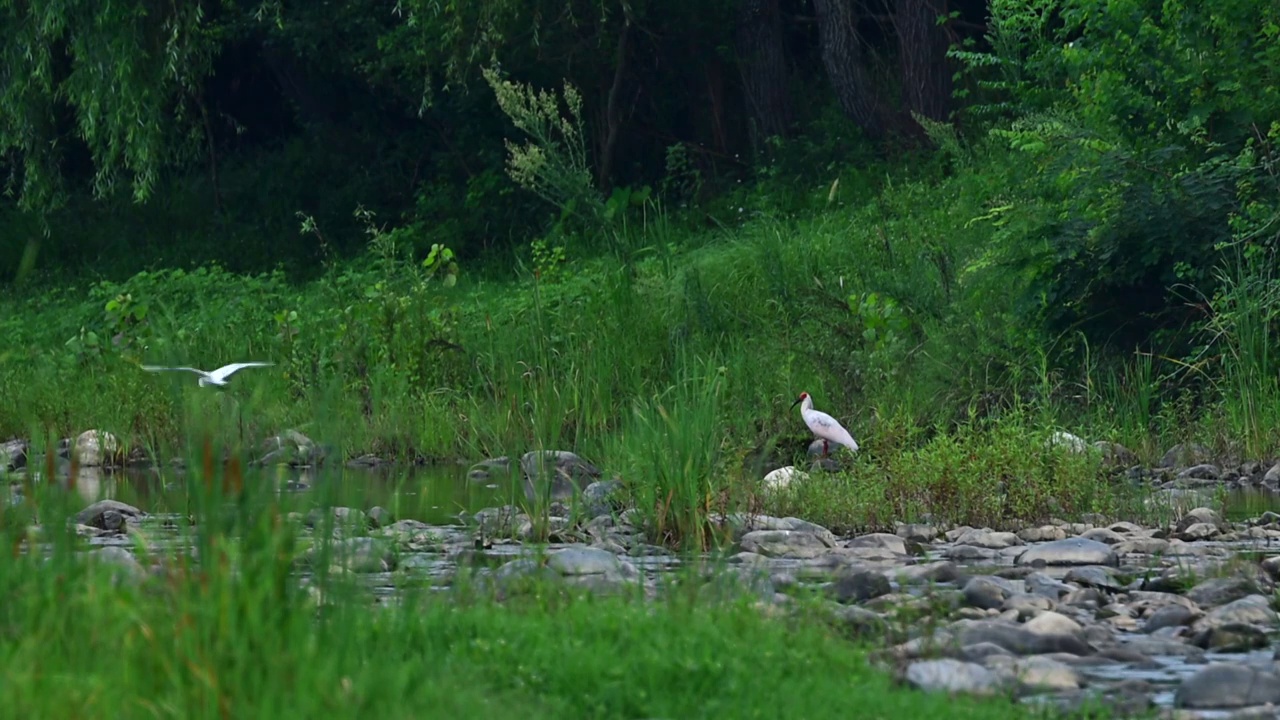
(1052, 623)
(782, 477)
(952, 676)
(94, 446)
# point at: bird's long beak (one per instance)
(797, 402)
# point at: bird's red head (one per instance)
(800, 399)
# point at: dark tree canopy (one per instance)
(103, 94)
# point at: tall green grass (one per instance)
(1241, 339)
(671, 451)
(998, 473)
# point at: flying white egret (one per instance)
(824, 426)
(212, 377)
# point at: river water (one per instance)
(433, 494)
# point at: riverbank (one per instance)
(570, 612)
(672, 364)
(890, 310)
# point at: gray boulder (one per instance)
(1228, 685)
(555, 475)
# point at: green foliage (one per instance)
(999, 473)
(548, 261)
(671, 451)
(1237, 354)
(68, 52)
(1139, 133)
(553, 162)
(1020, 72)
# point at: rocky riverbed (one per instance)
(1178, 619)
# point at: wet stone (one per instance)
(1071, 551)
(1093, 576)
(988, 592)
(1042, 584)
(859, 585)
(1103, 535)
(1252, 610)
(915, 532)
(1228, 685)
(883, 541)
(1019, 640)
(785, 543)
(95, 514)
(952, 676)
(989, 539)
(1220, 591)
(1231, 637)
(941, 571)
(1170, 616)
(1044, 533)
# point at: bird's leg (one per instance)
(826, 448)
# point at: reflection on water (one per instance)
(433, 494)
(1248, 503)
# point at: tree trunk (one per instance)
(842, 57)
(762, 62)
(613, 113)
(922, 57)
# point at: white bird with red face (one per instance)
(824, 426)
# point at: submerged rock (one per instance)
(104, 514)
(291, 448)
(490, 469)
(555, 475)
(359, 555)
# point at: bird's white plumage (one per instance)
(211, 377)
(823, 425)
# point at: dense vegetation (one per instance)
(636, 230)
(639, 230)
